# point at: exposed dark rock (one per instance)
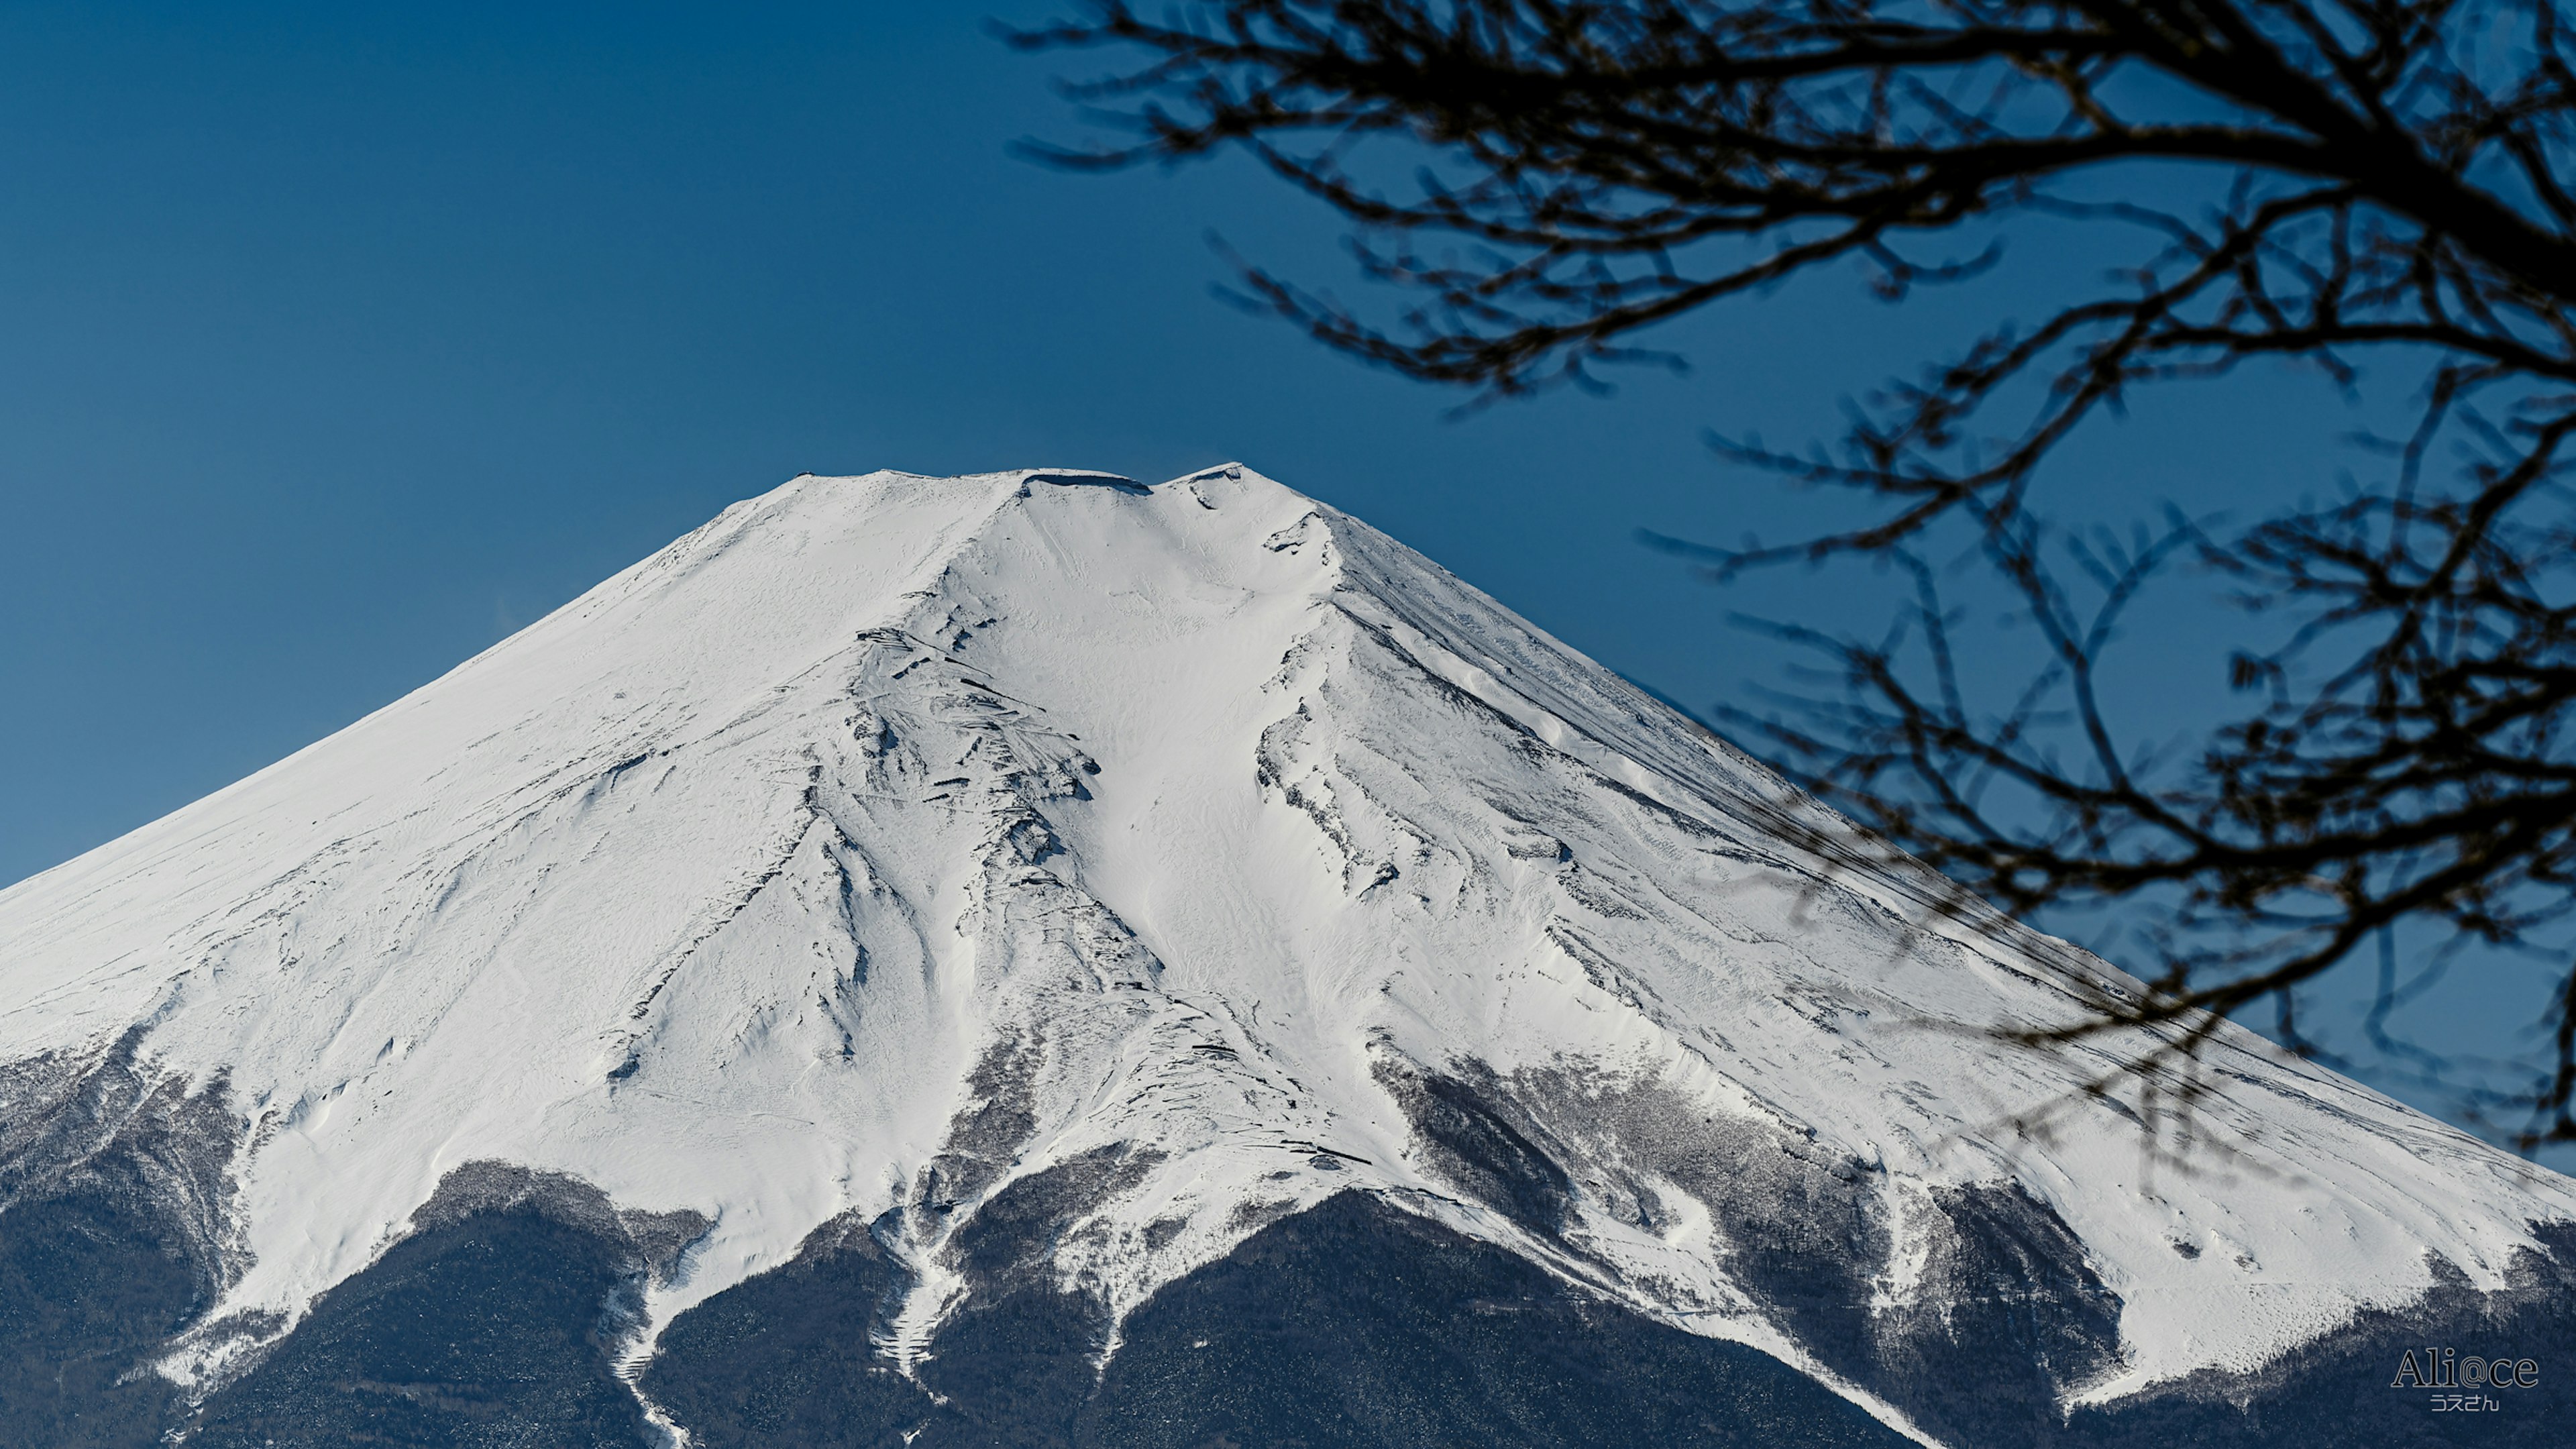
(2340, 1390)
(1021, 1354)
(790, 1357)
(1357, 1324)
(2010, 1318)
(1806, 1225)
(1463, 1130)
(2007, 1318)
(90, 1288)
(988, 1132)
(115, 1234)
(1353, 1324)
(496, 1322)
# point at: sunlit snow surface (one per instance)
(1201, 815)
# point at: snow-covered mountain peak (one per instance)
(890, 841)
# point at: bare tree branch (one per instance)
(2384, 184)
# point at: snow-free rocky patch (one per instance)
(1038, 958)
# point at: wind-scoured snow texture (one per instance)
(893, 842)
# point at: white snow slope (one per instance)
(1207, 801)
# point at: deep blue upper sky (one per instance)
(337, 342)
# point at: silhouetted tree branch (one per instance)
(2373, 181)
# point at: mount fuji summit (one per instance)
(1037, 959)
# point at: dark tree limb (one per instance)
(2384, 183)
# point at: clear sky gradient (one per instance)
(338, 342)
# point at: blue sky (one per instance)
(338, 342)
(337, 346)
